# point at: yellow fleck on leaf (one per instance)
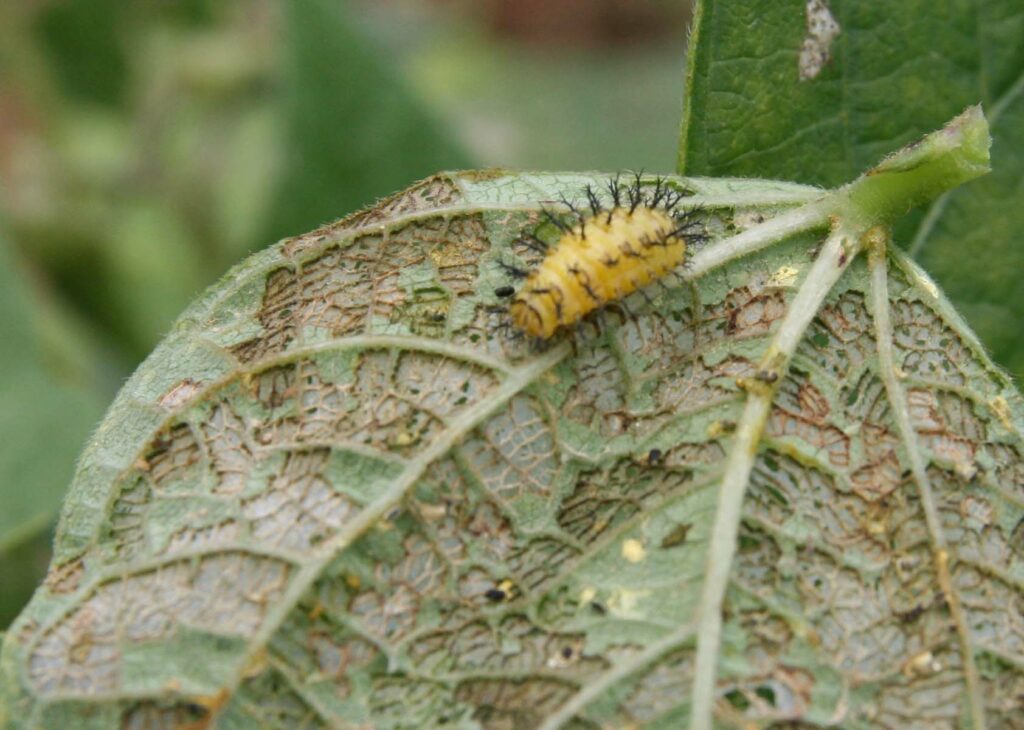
(1001, 409)
(633, 550)
(626, 603)
(921, 665)
(784, 276)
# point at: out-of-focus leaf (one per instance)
(23, 562)
(611, 110)
(245, 193)
(152, 144)
(812, 91)
(789, 488)
(44, 420)
(353, 131)
(153, 269)
(92, 44)
(83, 41)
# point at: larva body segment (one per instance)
(601, 259)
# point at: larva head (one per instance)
(534, 309)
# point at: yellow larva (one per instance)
(601, 259)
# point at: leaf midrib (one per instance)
(941, 556)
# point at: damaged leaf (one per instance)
(788, 485)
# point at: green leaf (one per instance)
(971, 241)
(43, 423)
(893, 72)
(91, 44)
(83, 41)
(787, 487)
(353, 131)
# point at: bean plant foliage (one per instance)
(786, 485)
(816, 92)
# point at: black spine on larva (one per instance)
(595, 203)
(628, 251)
(581, 220)
(636, 194)
(615, 189)
(583, 279)
(656, 197)
(555, 220)
(533, 310)
(514, 271)
(532, 242)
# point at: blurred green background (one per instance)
(147, 146)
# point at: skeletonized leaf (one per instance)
(789, 486)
